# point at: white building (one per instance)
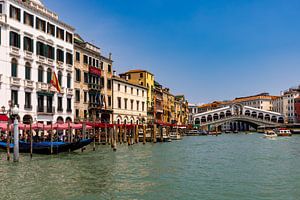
(129, 102)
(34, 43)
(285, 104)
(193, 109)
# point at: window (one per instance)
(69, 37)
(129, 76)
(1, 9)
(137, 92)
(143, 106)
(40, 24)
(119, 87)
(131, 90)
(50, 52)
(143, 93)
(125, 103)
(69, 78)
(109, 101)
(119, 102)
(51, 29)
(40, 103)
(28, 44)
(101, 65)
(85, 97)
(28, 100)
(60, 33)
(77, 75)
(15, 13)
(94, 62)
(102, 82)
(60, 55)
(85, 113)
(77, 56)
(85, 59)
(14, 68)
(109, 84)
(97, 63)
(125, 89)
(28, 19)
(90, 61)
(69, 58)
(27, 71)
(49, 104)
(141, 75)
(86, 77)
(49, 75)
(59, 104)
(14, 97)
(77, 95)
(109, 68)
(137, 105)
(40, 74)
(131, 104)
(77, 113)
(14, 39)
(41, 49)
(59, 77)
(69, 105)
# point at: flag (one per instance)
(54, 82)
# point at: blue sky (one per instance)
(206, 49)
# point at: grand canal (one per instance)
(224, 167)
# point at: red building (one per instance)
(297, 109)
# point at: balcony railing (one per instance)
(28, 84)
(69, 68)
(28, 54)
(94, 86)
(3, 19)
(15, 51)
(69, 91)
(15, 81)
(45, 110)
(27, 107)
(42, 86)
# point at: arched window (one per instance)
(40, 74)
(14, 68)
(49, 75)
(59, 77)
(27, 71)
(69, 79)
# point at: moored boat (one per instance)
(175, 136)
(45, 147)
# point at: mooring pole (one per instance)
(16, 140)
(8, 142)
(31, 141)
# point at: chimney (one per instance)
(127, 77)
(110, 56)
(114, 73)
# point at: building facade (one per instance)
(146, 79)
(129, 102)
(261, 101)
(34, 44)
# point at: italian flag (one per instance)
(54, 82)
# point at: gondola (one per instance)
(45, 147)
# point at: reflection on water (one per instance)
(224, 167)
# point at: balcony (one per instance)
(69, 91)
(93, 105)
(59, 65)
(28, 107)
(3, 19)
(42, 59)
(50, 61)
(15, 81)
(29, 84)
(42, 86)
(60, 109)
(45, 110)
(70, 68)
(93, 86)
(15, 51)
(28, 55)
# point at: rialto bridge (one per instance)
(238, 113)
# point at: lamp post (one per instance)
(15, 112)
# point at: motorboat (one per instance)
(283, 132)
(270, 134)
(175, 136)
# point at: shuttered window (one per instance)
(14, 39)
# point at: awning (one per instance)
(3, 118)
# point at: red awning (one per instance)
(3, 118)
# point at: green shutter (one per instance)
(24, 43)
(18, 41)
(31, 45)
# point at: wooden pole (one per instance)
(8, 141)
(125, 134)
(154, 133)
(115, 138)
(31, 140)
(144, 134)
(94, 130)
(51, 138)
(161, 134)
(137, 134)
(105, 133)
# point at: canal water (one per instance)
(225, 167)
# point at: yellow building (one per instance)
(168, 106)
(181, 110)
(146, 79)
